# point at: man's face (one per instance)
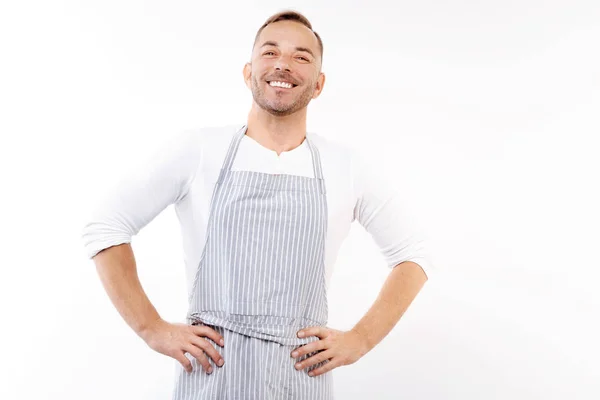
(285, 52)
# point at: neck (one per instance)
(274, 132)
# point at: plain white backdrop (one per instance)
(485, 112)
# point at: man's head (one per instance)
(286, 51)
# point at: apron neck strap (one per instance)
(235, 144)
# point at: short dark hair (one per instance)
(290, 15)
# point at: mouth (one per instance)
(281, 85)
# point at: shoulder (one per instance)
(201, 142)
(367, 174)
(332, 150)
(209, 135)
(343, 158)
(209, 144)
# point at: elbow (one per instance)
(97, 236)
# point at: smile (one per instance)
(281, 84)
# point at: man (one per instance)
(264, 208)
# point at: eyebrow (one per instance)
(272, 43)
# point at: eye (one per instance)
(304, 58)
(268, 52)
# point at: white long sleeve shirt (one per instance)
(184, 173)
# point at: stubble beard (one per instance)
(278, 107)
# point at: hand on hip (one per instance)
(175, 339)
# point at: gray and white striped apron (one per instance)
(260, 279)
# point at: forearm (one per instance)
(399, 290)
(117, 270)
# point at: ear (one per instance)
(319, 85)
(247, 72)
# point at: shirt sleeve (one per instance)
(382, 213)
(159, 180)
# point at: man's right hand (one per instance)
(175, 339)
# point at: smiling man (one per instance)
(264, 207)
(276, 87)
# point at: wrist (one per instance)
(146, 329)
(363, 339)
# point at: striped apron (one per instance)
(260, 279)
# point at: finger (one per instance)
(312, 331)
(315, 359)
(200, 356)
(184, 361)
(328, 366)
(208, 349)
(203, 330)
(308, 348)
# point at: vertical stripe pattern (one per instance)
(254, 369)
(260, 279)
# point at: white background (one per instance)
(486, 112)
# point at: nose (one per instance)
(282, 64)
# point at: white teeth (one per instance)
(281, 84)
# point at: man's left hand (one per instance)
(339, 347)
